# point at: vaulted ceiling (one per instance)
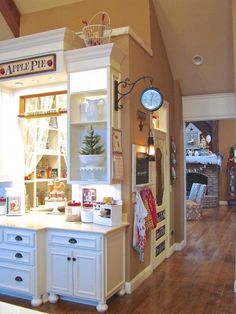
(189, 28)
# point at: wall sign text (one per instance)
(28, 66)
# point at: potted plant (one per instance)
(92, 151)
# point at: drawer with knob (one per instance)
(19, 237)
(75, 240)
(23, 256)
(18, 279)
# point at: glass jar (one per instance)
(73, 211)
(2, 205)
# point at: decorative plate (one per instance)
(173, 146)
(173, 173)
(173, 159)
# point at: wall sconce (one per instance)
(151, 147)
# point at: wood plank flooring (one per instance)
(197, 280)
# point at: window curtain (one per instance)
(35, 135)
(62, 128)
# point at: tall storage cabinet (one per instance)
(231, 183)
(92, 72)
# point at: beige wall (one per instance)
(122, 13)
(227, 138)
(138, 62)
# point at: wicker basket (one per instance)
(97, 34)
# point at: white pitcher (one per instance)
(95, 109)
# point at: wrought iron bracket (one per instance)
(128, 86)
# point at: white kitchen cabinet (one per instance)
(75, 281)
(91, 75)
(86, 267)
(22, 263)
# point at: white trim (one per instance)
(234, 285)
(223, 203)
(209, 107)
(130, 286)
(36, 44)
(180, 246)
(127, 30)
(170, 251)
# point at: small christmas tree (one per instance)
(91, 144)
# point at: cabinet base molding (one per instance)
(180, 245)
(35, 301)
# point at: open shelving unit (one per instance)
(45, 160)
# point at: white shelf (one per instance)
(91, 168)
(47, 153)
(89, 93)
(2, 180)
(89, 122)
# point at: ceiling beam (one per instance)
(11, 15)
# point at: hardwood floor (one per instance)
(197, 280)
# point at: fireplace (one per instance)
(207, 174)
(195, 177)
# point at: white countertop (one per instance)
(37, 221)
(6, 308)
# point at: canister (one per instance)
(2, 205)
(73, 211)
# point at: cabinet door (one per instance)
(59, 271)
(87, 274)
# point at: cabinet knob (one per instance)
(73, 240)
(18, 278)
(73, 259)
(18, 255)
(68, 258)
(18, 238)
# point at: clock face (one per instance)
(151, 99)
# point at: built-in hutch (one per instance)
(92, 72)
(49, 257)
(43, 257)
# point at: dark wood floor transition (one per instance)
(197, 280)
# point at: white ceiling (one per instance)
(188, 27)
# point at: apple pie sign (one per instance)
(28, 66)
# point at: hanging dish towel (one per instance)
(139, 230)
(148, 199)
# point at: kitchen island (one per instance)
(43, 257)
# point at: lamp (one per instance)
(151, 147)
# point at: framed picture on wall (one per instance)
(140, 167)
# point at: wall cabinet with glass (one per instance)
(91, 116)
(44, 138)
